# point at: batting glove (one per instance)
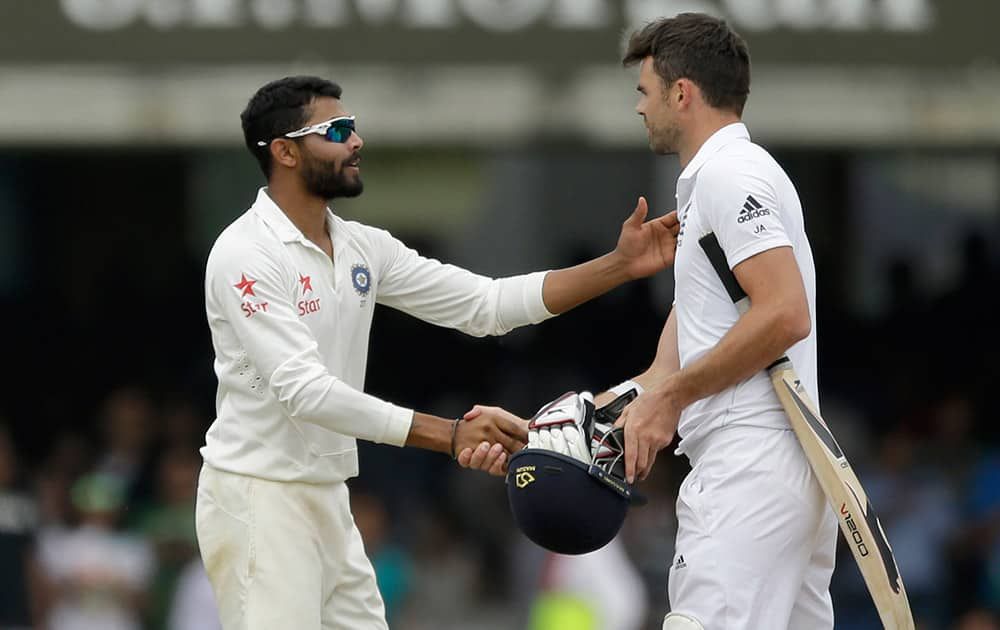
(565, 426)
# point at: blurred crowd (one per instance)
(97, 532)
(100, 532)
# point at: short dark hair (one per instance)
(698, 47)
(279, 107)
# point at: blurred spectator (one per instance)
(390, 561)
(18, 527)
(919, 513)
(977, 620)
(69, 457)
(127, 426)
(168, 524)
(95, 576)
(193, 606)
(601, 590)
(446, 579)
(182, 424)
(956, 448)
(982, 537)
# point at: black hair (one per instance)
(698, 47)
(279, 107)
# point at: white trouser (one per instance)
(756, 539)
(284, 555)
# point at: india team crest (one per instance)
(361, 278)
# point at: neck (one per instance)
(307, 212)
(703, 129)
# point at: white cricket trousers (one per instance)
(756, 538)
(284, 555)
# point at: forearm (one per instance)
(567, 288)
(757, 339)
(666, 362)
(647, 380)
(309, 393)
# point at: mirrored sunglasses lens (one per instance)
(340, 131)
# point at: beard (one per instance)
(664, 140)
(328, 180)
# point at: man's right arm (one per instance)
(248, 293)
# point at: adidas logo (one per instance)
(752, 209)
(679, 563)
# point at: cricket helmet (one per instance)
(566, 505)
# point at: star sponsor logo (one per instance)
(306, 282)
(307, 307)
(245, 285)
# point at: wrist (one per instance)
(673, 391)
(625, 386)
(454, 436)
(431, 433)
(618, 266)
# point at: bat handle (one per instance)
(783, 364)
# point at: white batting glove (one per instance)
(565, 426)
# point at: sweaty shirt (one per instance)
(734, 188)
(290, 328)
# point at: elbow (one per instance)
(794, 325)
(484, 329)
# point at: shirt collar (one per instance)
(719, 139)
(269, 211)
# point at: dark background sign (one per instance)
(545, 34)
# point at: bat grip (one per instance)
(782, 364)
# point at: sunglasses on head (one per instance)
(337, 129)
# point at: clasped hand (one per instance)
(487, 436)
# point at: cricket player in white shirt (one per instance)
(290, 292)
(756, 541)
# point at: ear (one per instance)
(284, 152)
(685, 93)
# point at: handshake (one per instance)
(567, 489)
(569, 425)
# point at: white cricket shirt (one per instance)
(734, 188)
(290, 329)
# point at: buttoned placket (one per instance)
(329, 263)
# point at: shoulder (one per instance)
(374, 243)
(246, 241)
(361, 231)
(738, 160)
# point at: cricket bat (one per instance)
(858, 522)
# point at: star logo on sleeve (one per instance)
(306, 283)
(246, 286)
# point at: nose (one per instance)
(356, 141)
